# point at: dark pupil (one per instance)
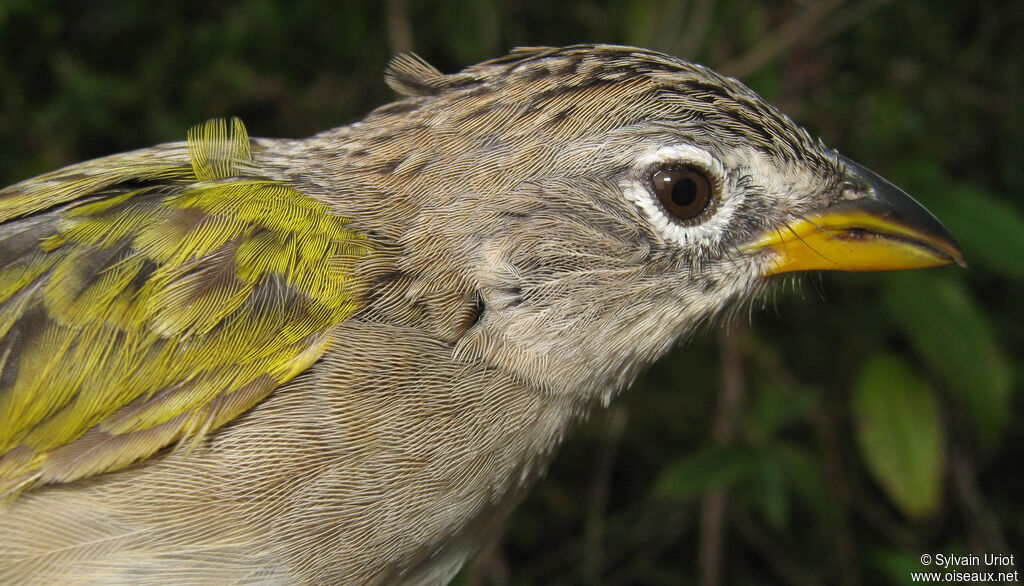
(684, 192)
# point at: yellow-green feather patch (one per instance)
(170, 304)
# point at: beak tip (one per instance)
(952, 248)
(905, 210)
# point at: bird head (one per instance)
(594, 204)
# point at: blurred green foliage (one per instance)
(900, 433)
(869, 418)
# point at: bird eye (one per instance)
(684, 192)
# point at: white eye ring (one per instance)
(637, 189)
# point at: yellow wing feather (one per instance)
(156, 305)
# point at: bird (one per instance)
(344, 359)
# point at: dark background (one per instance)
(856, 423)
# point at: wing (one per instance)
(148, 298)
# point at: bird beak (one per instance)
(877, 227)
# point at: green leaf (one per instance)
(803, 476)
(895, 565)
(952, 334)
(710, 467)
(771, 492)
(990, 230)
(900, 434)
(774, 408)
